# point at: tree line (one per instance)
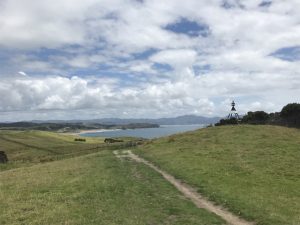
(288, 116)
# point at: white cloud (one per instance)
(79, 37)
(31, 23)
(183, 96)
(22, 73)
(177, 58)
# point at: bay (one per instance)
(163, 130)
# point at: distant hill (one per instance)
(64, 126)
(180, 120)
(106, 123)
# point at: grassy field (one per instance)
(94, 189)
(51, 179)
(30, 147)
(252, 170)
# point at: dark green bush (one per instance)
(291, 114)
(258, 117)
(79, 139)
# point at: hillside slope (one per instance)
(30, 147)
(252, 170)
(95, 189)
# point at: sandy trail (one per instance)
(188, 191)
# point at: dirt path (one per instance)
(188, 191)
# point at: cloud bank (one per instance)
(100, 58)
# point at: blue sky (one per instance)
(291, 53)
(128, 58)
(188, 27)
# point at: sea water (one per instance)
(163, 130)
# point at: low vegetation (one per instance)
(112, 140)
(80, 139)
(24, 148)
(289, 116)
(3, 157)
(252, 170)
(94, 189)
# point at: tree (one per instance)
(291, 114)
(258, 117)
(230, 121)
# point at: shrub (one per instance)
(79, 139)
(230, 121)
(291, 114)
(3, 157)
(258, 117)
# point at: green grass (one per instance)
(94, 189)
(30, 147)
(252, 170)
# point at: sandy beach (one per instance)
(89, 131)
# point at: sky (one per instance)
(74, 59)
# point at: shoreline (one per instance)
(81, 132)
(89, 131)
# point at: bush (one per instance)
(111, 140)
(230, 121)
(291, 114)
(171, 139)
(3, 157)
(79, 139)
(258, 117)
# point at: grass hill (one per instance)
(30, 147)
(96, 188)
(252, 170)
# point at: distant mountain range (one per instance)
(108, 123)
(180, 120)
(70, 126)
